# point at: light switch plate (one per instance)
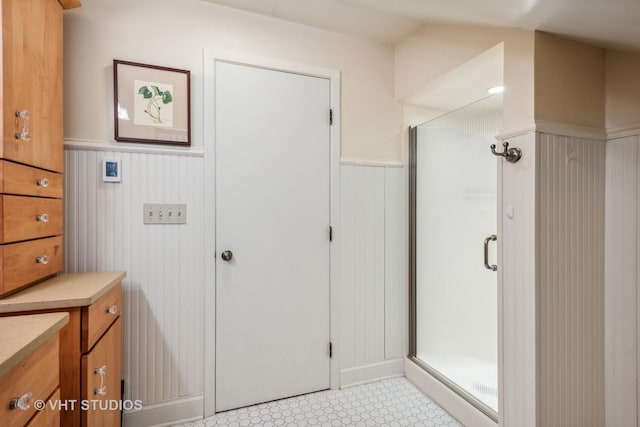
(163, 213)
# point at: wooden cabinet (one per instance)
(98, 317)
(90, 367)
(31, 152)
(29, 369)
(29, 181)
(101, 375)
(95, 344)
(36, 378)
(92, 339)
(32, 83)
(49, 416)
(27, 262)
(26, 218)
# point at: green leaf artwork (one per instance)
(156, 99)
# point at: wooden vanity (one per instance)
(90, 344)
(29, 369)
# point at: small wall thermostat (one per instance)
(111, 170)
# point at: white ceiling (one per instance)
(607, 23)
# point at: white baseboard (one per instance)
(166, 413)
(459, 408)
(373, 372)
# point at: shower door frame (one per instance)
(468, 397)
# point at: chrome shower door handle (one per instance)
(491, 238)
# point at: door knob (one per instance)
(227, 255)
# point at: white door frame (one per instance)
(210, 57)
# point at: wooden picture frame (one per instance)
(152, 104)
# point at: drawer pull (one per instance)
(23, 402)
(113, 309)
(102, 371)
(44, 182)
(42, 217)
(24, 134)
(44, 259)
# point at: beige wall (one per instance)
(569, 82)
(413, 115)
(436, 49)
(622, 90)
(547, 78)
(174, 33)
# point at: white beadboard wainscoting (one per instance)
(517, 287)
(552, 283)
(571, 187)
(164, 288)
(622, 208)
(163, 308)
(374, 269)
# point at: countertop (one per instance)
(63, 291)
(21, 335)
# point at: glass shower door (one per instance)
(455, 209)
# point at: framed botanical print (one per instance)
(152, 104)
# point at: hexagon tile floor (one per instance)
(393, 402)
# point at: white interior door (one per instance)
(272, 216)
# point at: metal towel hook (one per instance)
(511, 155)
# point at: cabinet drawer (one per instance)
(25, 218)
(36, 374)
(97, 317)
(47, 417)
(28, 181)
(22, 264)
(101, 377)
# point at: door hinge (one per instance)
(330, 233)
(330, 116)
(330, 350)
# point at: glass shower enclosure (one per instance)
(454, 295)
